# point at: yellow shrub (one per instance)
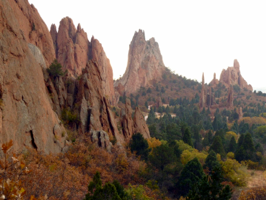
(153, 142)
(235, 172)
(187, 156)
(230, 155)
(230, 134)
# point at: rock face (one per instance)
(140, 124)
(74, 50)
(207, 99)
(26, 115)
(145, 63)
(232, 76)
(32, 28)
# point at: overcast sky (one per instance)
(194, 36)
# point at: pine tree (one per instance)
(210, 187)
(211, 161)
(187, 137)
(217, 146)
(191, 174)
(139, 145)
(232, 145)
(249, 147)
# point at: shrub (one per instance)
(55, 69)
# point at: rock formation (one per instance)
(140, 124)
(240, 113)
(32, 28)
(214, 81)
(26, 115)
(145, 63)
(202, 96)
(232, 76)
(74, 50)
(230, 97)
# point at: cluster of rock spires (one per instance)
(145, 63)
(32, 101)
(73, 50)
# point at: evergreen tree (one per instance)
(211, 161)
(187, 137)
(241, 140)
(139, 145)
(249, 147)
(211, 188)
(232, 145)
(55, 69)
(96, 191)
(240, 154)
(191, 174)
(217, 146)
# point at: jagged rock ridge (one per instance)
(145, 63)
(232, 76)
(73, 50)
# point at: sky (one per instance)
(194, 36)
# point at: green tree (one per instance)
(217, 146)
(211, 188)
(232, 145)
(249, 147)
(96, 191)
(139, 145)
(187, 137)
(55, 69)
(211, 161)
(191, 174)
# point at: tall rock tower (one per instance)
(202, 96)
(145, 63)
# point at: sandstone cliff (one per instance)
(232, 76)
(32, 28)
(26, 115)
(145, 63)
(73, 50)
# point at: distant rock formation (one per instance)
(240, 113)
(145, 63)
(232, 76)
(230, 97)
(73, 50)
(26, 115)
(214, 81)
(202, 95)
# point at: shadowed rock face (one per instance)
(26, 115)
(232, 76)
(74, 50)
(145, 63)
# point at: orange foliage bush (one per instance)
(257, 193)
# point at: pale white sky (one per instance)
(194, 36)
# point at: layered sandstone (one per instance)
(26, 115)
(74, 50)
(145, 63)
(232, 76)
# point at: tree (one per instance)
(211, 188)
(211, 161)
(139, 145)
(55, 69)
(191, 174)
(187, 137)
(232, 145)
(162, 156)
(249, 146)
(217, 146)
(96, 191)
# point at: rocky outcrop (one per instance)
(74, 50)
(127, 121)
(140, 125)
(26, 115)
(145, 63)
(214, 81)
(232, 76)
(32, 28)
